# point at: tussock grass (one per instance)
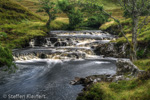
(123, 90)
(143, 64)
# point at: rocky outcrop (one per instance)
(113, 50)
(121, 50)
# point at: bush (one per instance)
(140, 53)
(65, 6)
(75, 18)
(97, 20)
(6, 58)
(75, 15)
(94, 93)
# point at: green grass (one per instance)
(34, 6)
(143, 64)
(123, 90)
(12, 12)
(19, 34)
(107, 4)
(59, 23)
(18, 23)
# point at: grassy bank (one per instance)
(135, 89)
(123, 90)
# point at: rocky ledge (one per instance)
(113, 50)
(121, 50)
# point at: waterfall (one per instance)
(66, 45)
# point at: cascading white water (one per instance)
(66, 45)
(31, 43)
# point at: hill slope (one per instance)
(18, 23)
(12, 12)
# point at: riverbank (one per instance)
(143, 52)
(135, 89)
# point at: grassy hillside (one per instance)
(18, 23)
(12, 12)
(109, 5)
(34, 5)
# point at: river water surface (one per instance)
(49, 78)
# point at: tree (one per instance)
(134, 9)
(50, 8)
(75, 15)
(93, 13)
(75, 18)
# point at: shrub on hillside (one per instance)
(94, 93)
(6, 58)
(75, 18)
(97, 20)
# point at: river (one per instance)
(46, 69)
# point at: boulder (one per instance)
(125, 66)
